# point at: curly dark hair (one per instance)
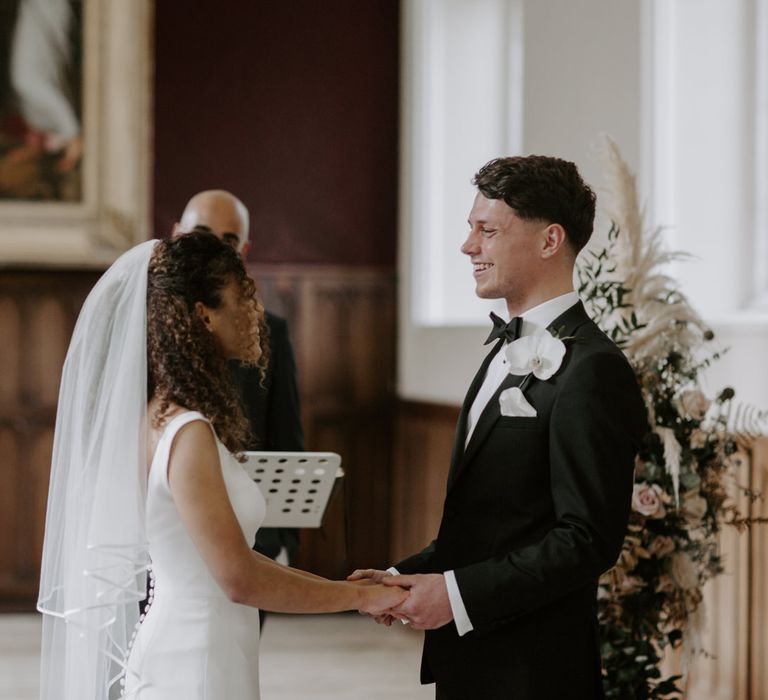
(185, 363)
(542, 188)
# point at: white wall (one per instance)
(713, 170)
(681, 85)
(579, 76)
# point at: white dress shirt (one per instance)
(537, 318)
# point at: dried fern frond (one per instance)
(641, 263)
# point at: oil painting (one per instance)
(75, 85)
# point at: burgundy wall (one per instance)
(293, 107)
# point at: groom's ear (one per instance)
(552, 240)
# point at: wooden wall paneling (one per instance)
(37, 314)
(10, 350)
(424, 439)
(346, 348)
(722, 671)
(342, 322)
(736, 634)
(35, 493)
(49, 328)
(758, 591)
(9, 471)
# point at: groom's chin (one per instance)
(485, 293)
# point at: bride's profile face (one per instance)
(234, 323)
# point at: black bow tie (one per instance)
(509, 331)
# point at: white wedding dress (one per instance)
(194, 643)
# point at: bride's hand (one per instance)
(378, 599)
(375, 575)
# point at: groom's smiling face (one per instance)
(505, 251)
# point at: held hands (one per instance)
(369, 577)
(426, 607)
(376, 600)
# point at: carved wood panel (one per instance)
(343, 330)
(424, 438)
(342, 323)
(37, 314)
(758, 577)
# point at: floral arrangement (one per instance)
(687, 469)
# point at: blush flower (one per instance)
(631, 585)
(698, 439)
(647, 499)
(665, 584)
(661, 546)
(693, 404)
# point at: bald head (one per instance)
(220, 211)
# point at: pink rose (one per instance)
(647, 500)
(631, 585)
(693, 404)
(661, 546)
(698, 439)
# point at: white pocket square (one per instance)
(514, 403)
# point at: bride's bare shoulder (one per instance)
(196, 431)
(195, 438)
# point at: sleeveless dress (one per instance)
(194, 643)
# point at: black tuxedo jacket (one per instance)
(273, 411)
(536, 509)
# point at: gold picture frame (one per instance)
(112, 213)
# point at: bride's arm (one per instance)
(197, 486)
(301, 572)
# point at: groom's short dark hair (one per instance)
(542, 188)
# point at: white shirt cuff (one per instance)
(460, 617)
(392, 570)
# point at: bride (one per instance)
(145, 477)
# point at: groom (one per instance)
(541, 475)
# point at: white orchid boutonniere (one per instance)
(540, 355)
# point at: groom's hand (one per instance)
(428, 606)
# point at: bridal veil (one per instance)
(95, 551)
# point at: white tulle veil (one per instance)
(95, 552)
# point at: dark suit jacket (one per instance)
(273, 411)
(536, 509)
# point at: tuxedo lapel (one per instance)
(461, 426)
